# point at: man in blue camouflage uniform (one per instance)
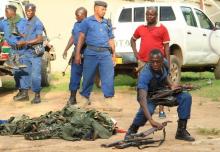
(13, 39)
(96, 32)
(76, 69)
(153, 76)
(31, 76)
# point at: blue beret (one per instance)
(100, 3)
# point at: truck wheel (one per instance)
(175, 69)
(217, 70)
(45, 70)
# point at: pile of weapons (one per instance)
(139, 140)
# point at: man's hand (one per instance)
(156, 124)
(175, 86)
(77, 58)
(21, 43)
(114, 59)
(64, 55)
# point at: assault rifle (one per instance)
(140, 140)
(166, 97)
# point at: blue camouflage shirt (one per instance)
(146, 75)
(97, 33)
(10, 38)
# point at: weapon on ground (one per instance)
(140, 140)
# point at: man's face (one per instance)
(30, 13)
(100, 11)
(9, 13)
(156, 63)
(80, 15)
(151, 16)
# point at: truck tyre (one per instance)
(45, 70)
(175, 69)
(217, 70)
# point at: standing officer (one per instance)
(76, 69)
(154, 76)
(31, 76)
(96, 32)
(153, 36)
(13, 23)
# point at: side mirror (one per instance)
(217, 25)
(25, 2)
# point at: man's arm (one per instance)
(142, 99)
(69, 44)
(80, 43)
(112, 46)
(133, 46)
(167, 52)
(38, 39)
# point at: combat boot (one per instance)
(18, 94)
(133, 129)
(22, 96)
(36, 99)
(72, 99)
(182, 133)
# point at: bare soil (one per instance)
(205, 114)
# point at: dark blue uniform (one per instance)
(76, 69)
(31, 76)
(97, 55)
(12, 41)
(145, 82)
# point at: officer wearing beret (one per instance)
(96, 32)
(31, 76)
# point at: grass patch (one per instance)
(7, 85)
(210, 87)
(208, 131)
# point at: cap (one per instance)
(100, 3)
(12, 7)
(30, 6)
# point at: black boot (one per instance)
(22, 96)
(18, 94)
(36, 99)
(72, 99)
(132, 130)
(182, 133)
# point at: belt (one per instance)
(97, 48)
(17, 48)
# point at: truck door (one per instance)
(210, 38)
(194, 49)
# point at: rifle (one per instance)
(166, 97)
(69, 63)
(139, 140)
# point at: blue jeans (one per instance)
(102, 61)
(184, 100)
(75, 77)
(29, 77)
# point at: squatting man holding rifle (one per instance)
(154, 76)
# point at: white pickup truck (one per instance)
(195, 40)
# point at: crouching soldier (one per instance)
(154, 76)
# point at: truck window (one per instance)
(189, 16)
(126, 15)
(139, 14)
(204, 21)
(167, 14)
(19, 11)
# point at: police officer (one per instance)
(76, 69)
(13, 23)
(154, 75)
(31, 76)
(96, 32)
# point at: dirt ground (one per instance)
(204, 115)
